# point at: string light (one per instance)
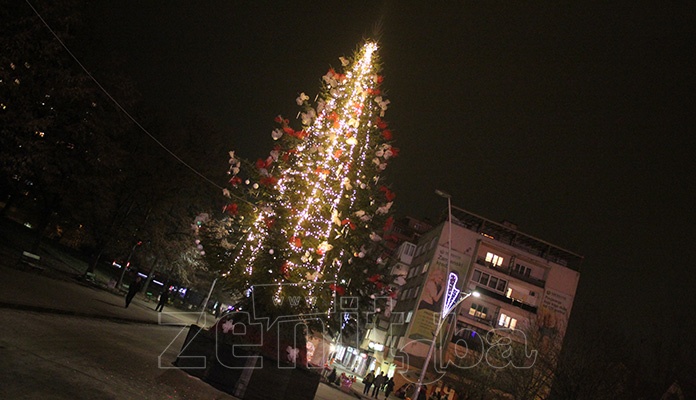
(331, 173)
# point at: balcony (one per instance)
(508, 271)
(469, 336)
(488, 320)
(514, 302)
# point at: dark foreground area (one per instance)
(65, 338)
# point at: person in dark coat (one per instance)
(332, 377)
(378, 382)
(369, 378)
(133, 289)
(164, 298)
(388, 387)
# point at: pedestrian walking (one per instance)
(164, 298)
(378, 382)
(367, 380)
(133, 289)
(388, 387)
(332, 377)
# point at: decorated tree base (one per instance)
(248, 375)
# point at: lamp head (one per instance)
(442, 194)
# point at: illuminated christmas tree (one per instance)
(306, 222)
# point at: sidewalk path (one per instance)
(358, 386)
(23, 290)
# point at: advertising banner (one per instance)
(434, 292)
(554, 312)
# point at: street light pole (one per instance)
(431, 350)
(442, 314)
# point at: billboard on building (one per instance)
(434, 291)
(554, 312)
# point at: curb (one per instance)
(334, 387)
(47, 310)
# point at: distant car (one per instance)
(405, 390)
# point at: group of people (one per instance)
(343, 381)
(378, 383)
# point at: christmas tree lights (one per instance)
(315, 207)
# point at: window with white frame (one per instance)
(409, 316)
(494, 259)
(507, 321)
(409, 249)
(397, 318)
(521, 270)
(478, 311)
(489, 280)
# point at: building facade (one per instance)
(522, 283)
(367, 354)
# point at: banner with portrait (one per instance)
(434, 291)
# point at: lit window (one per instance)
(506, 321)
(408, 316)
(494, 259)
(478, 311)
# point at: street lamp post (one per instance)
(443, 311)
(431, 350)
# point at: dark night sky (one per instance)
(575, 122)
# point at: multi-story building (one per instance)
(399, 249)
(522, 283)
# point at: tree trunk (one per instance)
(107, 237)
(95, 261)
(44, 219)
(153, 268)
